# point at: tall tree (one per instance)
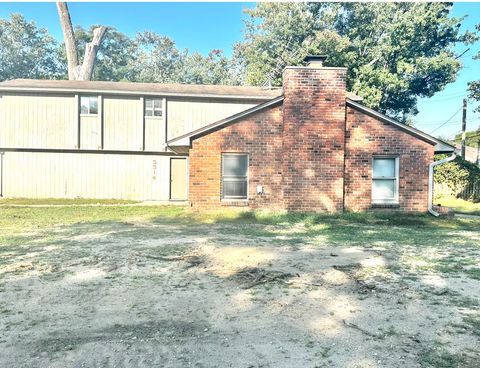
(76, 71)
(474, 86)
(159, 60)
(26, 51)
(113, 58)
(395, 52)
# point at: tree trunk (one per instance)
(69, 36)
(91, 49)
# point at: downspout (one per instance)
(430, 182)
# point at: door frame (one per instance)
(187, 178)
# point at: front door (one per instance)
(178, 179)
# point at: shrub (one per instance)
(458, 175)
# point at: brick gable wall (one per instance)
(367, 137)
(259, 135)
(313, 153)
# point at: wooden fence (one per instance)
(469, 192)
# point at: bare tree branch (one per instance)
(91, 49)
(69, 37)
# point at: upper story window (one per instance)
(385, 180)
(234, 176)
(89, 105)
(153, 107)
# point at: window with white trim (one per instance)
(88, 105)
(153, 107)
(234, 176)
(385, 180)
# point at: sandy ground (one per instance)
(156, 295)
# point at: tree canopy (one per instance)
(474, 86)
(26, 51)
(395, 52)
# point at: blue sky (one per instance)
(205, 26)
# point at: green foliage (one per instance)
(456, 174)
(114, 56)
(395, 52)
(472, 138)
(159, 60)
(26, 51)
(474, 86)
(29, 52)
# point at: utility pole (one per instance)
(464, 127)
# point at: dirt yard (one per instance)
(156, 287)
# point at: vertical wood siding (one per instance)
(38, 121)
(123, 123)
(82, 175)
(154, 134)
(187, 115)
(90, 132)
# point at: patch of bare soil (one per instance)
(133, 295)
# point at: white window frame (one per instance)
(89, 105)
(153, 108)
(395, 198)
(234, 178)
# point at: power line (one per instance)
(456, 112)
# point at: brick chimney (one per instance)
(314, 136)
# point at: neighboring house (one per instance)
(310, 146)
(472, 154)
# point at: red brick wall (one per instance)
(366, 137)
(311, 154)
(259, 135)
(314, 128)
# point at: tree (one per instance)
(474, 87)
(395, 52)
(159, 60)
(76, 71)
(472, 138)
(26, 51)
(215, 68)
(113, 58)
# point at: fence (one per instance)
(469, 192)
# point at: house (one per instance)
(309, 146)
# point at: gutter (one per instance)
(430, 182)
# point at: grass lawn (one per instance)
(161, 286)
(459, 205)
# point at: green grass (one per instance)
(459, 205)
(62, 201)
(418, 243)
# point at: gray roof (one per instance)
(129, 88)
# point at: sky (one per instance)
(205, 26)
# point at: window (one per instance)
(385, 180)
(89, 105)
(234, 176)
(153, 107)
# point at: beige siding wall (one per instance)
(187, 115)
(154, 134)
(50, 121)
(72, 175)
(123, 123)
(90, 132)
(38, 121)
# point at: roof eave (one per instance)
(134, 93)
